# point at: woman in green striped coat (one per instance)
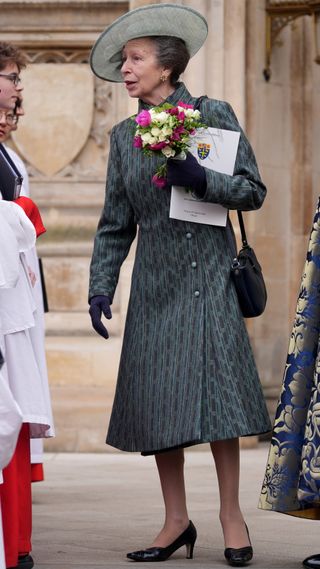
(187, 373)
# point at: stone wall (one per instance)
(282, 122)
(64, 140)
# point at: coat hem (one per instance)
(187, 444)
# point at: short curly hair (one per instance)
(11, 54)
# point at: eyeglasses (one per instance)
(10, 119)
(13, 77)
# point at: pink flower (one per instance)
(159, 181)
(143, 119)
(184, 105)
(179, 129)
(179, 114)
(158, 145)
(177, 132)
(137, 142)
(173, 111)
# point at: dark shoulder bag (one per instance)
(247, 276)
(246, 271)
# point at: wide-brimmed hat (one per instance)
(152, 20)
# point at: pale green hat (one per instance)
(152, 20)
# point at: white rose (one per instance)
(168, 152)
(161, 118)
(166, 131)
(147, 138)
(153, 114)
(155, 131)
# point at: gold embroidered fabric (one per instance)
(292, 479)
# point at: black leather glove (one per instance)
(99, 304)
(187, 173)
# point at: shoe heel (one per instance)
(190, 548)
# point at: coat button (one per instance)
(196, 293)
(188, 235)
(194, 264)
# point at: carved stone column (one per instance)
(235, 57)
(283, 129)
(218, 69)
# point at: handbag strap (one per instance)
(242, 229)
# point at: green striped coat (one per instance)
(187, 373)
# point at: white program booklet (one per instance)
(215, 149)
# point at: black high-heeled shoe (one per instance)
(241, 556)
(187, 538)
(312, 562)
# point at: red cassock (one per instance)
(16, 505)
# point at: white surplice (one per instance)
(10, 414)
(24, 353)
(33, 262)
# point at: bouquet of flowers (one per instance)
(166, 130)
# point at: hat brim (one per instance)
(153, 20)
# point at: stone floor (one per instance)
(93, 508)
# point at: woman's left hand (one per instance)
(187, 173)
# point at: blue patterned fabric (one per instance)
(292, 479)
(187, 373)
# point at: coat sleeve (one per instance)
(116, 229)
(244, 190)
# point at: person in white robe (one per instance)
(10, 414)
(20, 334)
(33, 268)
(18, 313)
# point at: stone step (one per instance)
(81, 417)
(82, 376)
(82, 361)
(78, 324)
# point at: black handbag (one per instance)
(247, 276)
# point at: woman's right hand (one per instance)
(187, 173)
(100, 304)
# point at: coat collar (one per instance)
(180, 94)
